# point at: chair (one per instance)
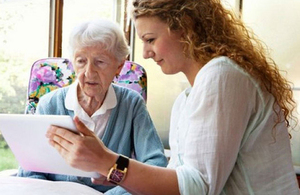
(49, 74)
(133, 76)
(46, 75)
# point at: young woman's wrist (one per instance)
(110, 160)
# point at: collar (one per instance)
(71, 100)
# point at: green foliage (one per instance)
(13, 86)
(3, 144)
(8, 160)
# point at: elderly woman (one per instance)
(116, 115)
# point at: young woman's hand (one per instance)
(84, 151)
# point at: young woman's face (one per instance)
(95, 69)
(161, 45)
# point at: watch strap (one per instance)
(122, 162)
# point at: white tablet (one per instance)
(26, 137)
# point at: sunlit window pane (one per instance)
(24, 33)
(24, 38)
(76, 11)
(277, 24)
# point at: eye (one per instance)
(150, 40)
(80, 62)
(99, 62)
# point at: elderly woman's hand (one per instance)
(84, 151)
(102, 180)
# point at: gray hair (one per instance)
(100, 32)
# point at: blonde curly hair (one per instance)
(210, 30)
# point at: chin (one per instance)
(167, 71)
(90, 93)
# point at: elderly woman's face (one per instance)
(95, 69)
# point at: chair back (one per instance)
(133, 76)
(49, 74)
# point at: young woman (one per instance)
(229, 130)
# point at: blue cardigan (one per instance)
(129, 130)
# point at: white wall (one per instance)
(277, 23)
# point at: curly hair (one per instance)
(209, 30)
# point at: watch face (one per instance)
(116, 176)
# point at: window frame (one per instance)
(56, 25)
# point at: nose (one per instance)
(89, 70)
(148, 53)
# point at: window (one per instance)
(25, 38)
(76, 11)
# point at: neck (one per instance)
(90, 104)
(192, 71)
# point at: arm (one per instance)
(216, 122)
(214, 134)
(87, 152)
(147, 145)
(218, 113)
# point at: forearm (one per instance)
(146, 179)
(90, 154)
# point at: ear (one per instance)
(120, 67)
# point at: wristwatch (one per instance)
(118, 172)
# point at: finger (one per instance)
(82, 128)
(61, 149)
(61, 133)
(61, 139)
(101, 181)
(62, 142)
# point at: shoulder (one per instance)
(224, 76)
(224, 72)
(223, 65)
(129, 101)
(55, 95)
(124, 94)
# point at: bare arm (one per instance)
(88, 153)
(147, 179)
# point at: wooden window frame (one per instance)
(55, 28)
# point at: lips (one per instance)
(159, 62)
(91, 83)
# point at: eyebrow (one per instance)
(147, 34)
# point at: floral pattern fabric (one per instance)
(46, 75)
(51, 73)
(133, 76)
